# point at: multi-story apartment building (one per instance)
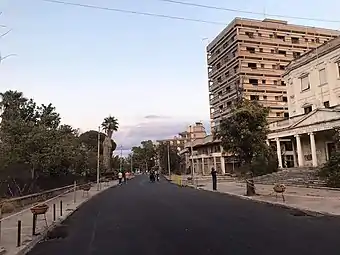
(247, 59)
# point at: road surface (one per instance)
(163, 219)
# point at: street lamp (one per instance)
(98, 160)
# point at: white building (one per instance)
(313, 89)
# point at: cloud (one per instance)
(155, 117)
(151, 129)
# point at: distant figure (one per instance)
(120, 177)
(124, 176)
(157, 175)
(214, 178)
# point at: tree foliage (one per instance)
(37, 152)
(144, 156)
(165, 152)
(330, 172)
(244, 135)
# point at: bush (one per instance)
(264, 162)
(330, 172)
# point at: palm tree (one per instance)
(109, 125)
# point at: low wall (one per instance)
(15, 204)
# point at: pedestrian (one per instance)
(124, 176)
(120, 177)
(214, 178)
(157, 175)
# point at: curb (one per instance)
(274, 204)
(58, 222)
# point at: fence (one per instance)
(21, 227)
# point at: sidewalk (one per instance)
(321, 201)
(70, 202)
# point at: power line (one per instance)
(134, 12)
(247, 12)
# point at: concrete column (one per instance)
(267, 142)
(278, 151)
(313, 149)
(203, 172)
(222, 165)
(299, 151)
(294, 154)
(215, 164)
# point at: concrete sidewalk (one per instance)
(70, 202)
(321, 201)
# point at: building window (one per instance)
(282, 67)
(307, 109)
(278, 114)
(263, 81)
(326, 104)
(272, 51)
(265, 97)
(261, 50)
(218, 66)
(296, 54)
(250, 34)
(305, 85)
(338, 67)
(262, 65)
(282, 52)
(322, 76)
(252, 65)
(284, 99)
(295, 40)
(219, 79)
(254, 82)
(286, 115)
(254, 97)
(251, 49)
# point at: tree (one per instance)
(244, 134)
(330, 172)
(36, 152)
(175, 159)
(110, 124)
(144, 156)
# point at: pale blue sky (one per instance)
(92, 63)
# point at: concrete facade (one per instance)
(313, 80)
(248, 58)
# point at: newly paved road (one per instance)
(163, 219)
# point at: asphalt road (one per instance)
(163, 219)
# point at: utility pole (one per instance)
(169, 169)
(192, 155)
(98, 159)
(131, 163)
(121, 157)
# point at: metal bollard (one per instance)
(34, 224)
(75, 192)
(54, 212)
(19, 234)
(61, 207)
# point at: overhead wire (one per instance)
(186, 18)
(246, 12)
(133, 12)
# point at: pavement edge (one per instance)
(28, 247)
(269, 203)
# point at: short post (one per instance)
(61, 207)
(54, 212)
(75, 192)
(19, 234)
(34, 224)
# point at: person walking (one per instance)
(124, 177)
(214, 178)
(120, 177)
